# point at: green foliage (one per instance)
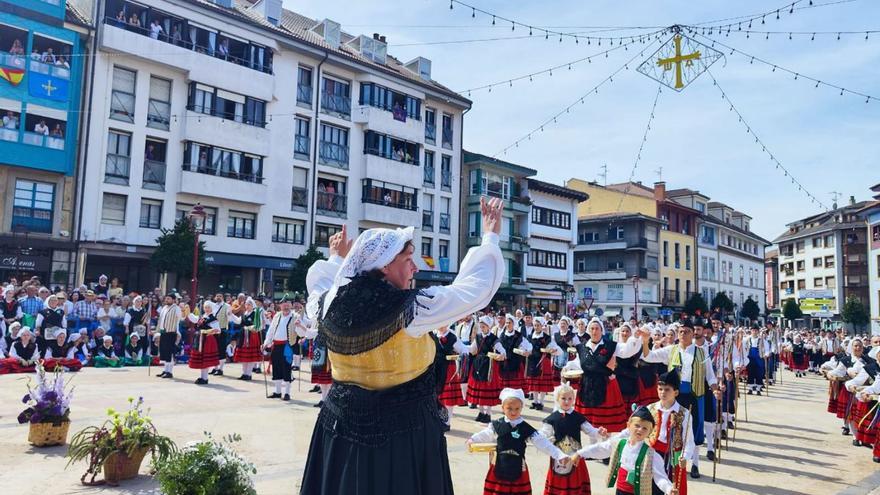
(791, 310)
(854, 312)
(722, 302)
(696, 303)
(174, 250)
(750, 309)
(297, 281)
(207, 468)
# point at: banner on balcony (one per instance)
(13, 76)
(45, 86)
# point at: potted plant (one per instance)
(208, 467)
(119, 445)
(48, 411)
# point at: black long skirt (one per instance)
(379, 442)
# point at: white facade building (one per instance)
(552, 235)
(282, 127)
(873, 218)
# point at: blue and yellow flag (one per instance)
(45, 86)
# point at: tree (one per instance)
(854, 313)
(722, 302)
(791, 310)
(696, 303)
(174, 250)
(750, 309)
(297, 281)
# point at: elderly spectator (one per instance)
(31, 304)
(86, 311)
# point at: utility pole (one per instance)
(604, 174)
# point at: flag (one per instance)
(45, 86)
(14, 76)
(429, 261)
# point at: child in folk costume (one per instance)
(465, 331)
(673, 438)
(599, 397)
(566, 340)
(204, 354)
(322, 375)
(223, 316)
(59, 353)
(635, 467)
(450, 349)
(133, 352)
(105, 354)
(168, 330)
(484, 383)
(563, 427)
(516, 348)
(508, 473)
(49, 320)
(230, 350)
(759, 350)
(540, 378)
(249, 351)
(79, 341)
(285, 329)
(23, 353)
(799, 357)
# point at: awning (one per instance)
(545, 294)
(238, 260)
(610, 312)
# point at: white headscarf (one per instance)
(512, 393)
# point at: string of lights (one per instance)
(594, 90)
(739, 21)
(750, 130)
(590, 39)
(791, 34)
(797, 75)
(509, 82)
(632, 173)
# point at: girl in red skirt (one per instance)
(450, 347)
(23, 353)
(799, 359)
(863, 432)
(871, 422)
(599, 397)
(60, 354)
(508, 473)
(204, 352)
(322, 376)
(563, 427)
(249, 351)
(540, 378)
(484, 384)
(516, 347)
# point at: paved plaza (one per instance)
(788, 446)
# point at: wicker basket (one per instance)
(48, 434)
(119, 466)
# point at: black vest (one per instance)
(510, 448)
(58, 351)
(137, 317)
(568, 426)
(485, 345)
(447, 343)
(26, 353)
(535, 357)
(627, 375)
(9, 308)
(103, 351)
(52, 317)
(596, 372)
(509, 343)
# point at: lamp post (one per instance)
(636, 297)
(194, 214)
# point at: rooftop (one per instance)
(824, 222)
(471, 157)
(634, 188)
(673, 193)
(563, 191)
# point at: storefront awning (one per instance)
(545, 294)
(238, 260)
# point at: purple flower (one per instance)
(26, 399)
(36, 418)
(55, 411)
(50, 396)
(24, 416)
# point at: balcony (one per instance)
(384, 122)
(444, 223)
(428, 220)
(225, 133)
(154, 175)
(670, 298)
(430, 133)
(304, 94)
(300, 199)
(301, 147)
(37, 139)
(334, 155)
(158, 114)
(9, 135)
(515, 243)
(234, 187)
(391, 195)
(332, 204)
(31, 220)
(598, 245)
(601, 274)
(447, 138)
(403, 174)
(640, 243)
(53, 70)
(117, 171)
(336, 104)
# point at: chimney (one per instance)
(271, 10)
(852, 200)
(375, 36)
(382, 39)
(659, 191)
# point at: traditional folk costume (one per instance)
(566, 340)
(799, 358)
(464, 331)
(871, 422)
(60, 355)
(508, 473)
(484, 383)
(322, 375)
(759, 350)
(168, 328)
(204, 354)
(382, 407)
(224, 315)
(80, 347)
(23, 356)
(668, 438)
(133, 352)
(49, 322)
(10, 312)
(513, 367)
(635, 468)
(564, 429)
(540, 377)
(104, 355)
(838, 396)
(249, 351)
(449, 370)
(284, 330)
(864, 410)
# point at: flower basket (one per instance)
(48, 434)
(120, 466)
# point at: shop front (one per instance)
(234, 273)
(22, 258)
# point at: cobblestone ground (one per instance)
(789, 445)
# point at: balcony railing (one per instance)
(447, 138)
(218, 172)
(332, 203)
(431, 133)
(429, 174)
(336, 103)
(301, 146)
(400, 155)
(378, 195)
(670, 297)
(334, 154)
(446, 179)
(59, 71)
(158, 114)
(13, 61)
(304, 94)
(300, 198)
(428, 220)
(444, 223)
(117, 169)
(37, 139)
(641, 243)
(122, 106)
(9, 134)
(154, 175)
(31, 220)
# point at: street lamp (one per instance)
(636, 297)
(197, 212)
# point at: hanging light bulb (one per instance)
(450, 4)
(493, 20)
(473, 12)
(512, 26)
(530, 30)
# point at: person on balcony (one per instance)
(10, 121)
(155, 29)
(41, 128)
(57, 132)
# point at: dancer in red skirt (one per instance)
(517, 347)
(23, 353)
(540, 378)
(484, 383)
(798, 360)
(508, 473)
(563, 427)
(626, 371)
(59, 353)
(863, 432)
(322, 376)
(204, 351)
(599, 397)
(249, 351)
(871, 422)
(451, 348)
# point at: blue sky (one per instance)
(829, 142)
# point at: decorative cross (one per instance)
(49, 88)
(677, 60)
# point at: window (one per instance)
(241, 225)
(687, 257)
(446, 172)
(447, 131)
(430, 126)
(474, 224)
(226, 105)
(301, 139)
(444, 249)
(336, 97)
(387, 194)
(445, 212)
(221, 162)
(151, 214)
(817, 282)
(830, 283)
(829, 240)
(548, 259)
(334, 146)
(801, 284)
(391, 148)
(118, 158)
(429, 168)
(426, 246)
(615, 234)
(817, 262)
(551, 218)
(159, 106)
(677, 256)
(288, 231)
(801, 265)
(817, 242)
(324, 232)
(588, 237)
(829, 261)
(206, 225)
(304, 86)
(202, 98)
(122, 96)
(113, 211)
(711, 268)
(300, 194)
(33, 206)
(651, 263)
(401, 105)
(332, 197)
(799, 246)
(666, 253)
(707, 234)
(701, 207)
